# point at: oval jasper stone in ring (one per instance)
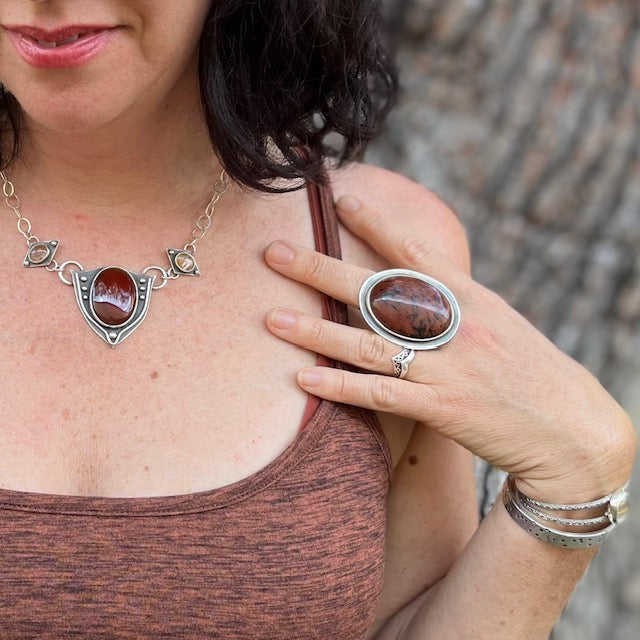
(113, 296)
(410, 308)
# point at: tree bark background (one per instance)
(525, 117)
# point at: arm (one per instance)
(505, 585)
(502, 391)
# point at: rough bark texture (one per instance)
(525, 117)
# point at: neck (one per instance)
(146, 158)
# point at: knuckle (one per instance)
(382, 392)
(372, 221)
(450, 399)
(414, 251)
(478, 336)
(342, 386)
(370, 349)
(317, 331)
(316, 266)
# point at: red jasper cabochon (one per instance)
(410, 307)
(113, 296)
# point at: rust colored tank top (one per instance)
(295, 551)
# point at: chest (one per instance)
(199, 396)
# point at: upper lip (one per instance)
(57, 34)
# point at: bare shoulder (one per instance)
(397, 196)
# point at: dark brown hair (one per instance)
(284, 84)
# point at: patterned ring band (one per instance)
(409, 309)
(402, 361)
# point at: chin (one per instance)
(68, 112)
(69, 121)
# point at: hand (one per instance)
(499, 388)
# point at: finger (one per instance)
(395, 238)
(375, 392)
(358, 347)
(337, 279)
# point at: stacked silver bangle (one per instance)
(533, 516)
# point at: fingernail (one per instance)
(309, 378)
(281, 319)
(348, 203)
(280, 253)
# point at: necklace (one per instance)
(114, 301)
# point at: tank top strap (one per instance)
(327, 239)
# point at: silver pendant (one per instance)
(113, 301)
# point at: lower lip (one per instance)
(73, 54)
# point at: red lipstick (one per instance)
(69, 46)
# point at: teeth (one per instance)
(59, 43)
(46, 45)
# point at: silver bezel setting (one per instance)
(112, 334)
(52, 247)
(401, 340)
(173, 255)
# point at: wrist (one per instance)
(592, 456)
(571, 491)
(586, 473)
(575, 525)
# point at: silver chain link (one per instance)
(203, 224)
(13, 202)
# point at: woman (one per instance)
(187, 482)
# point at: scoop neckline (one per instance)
(184, 503)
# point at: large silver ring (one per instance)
(409, 309)
(401, 362)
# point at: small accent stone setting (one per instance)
(40, 254)
(409, 309)
(183, 262)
